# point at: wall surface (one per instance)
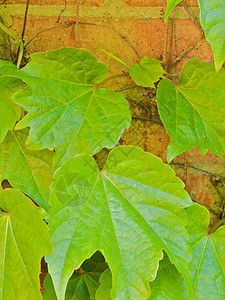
(130, 29)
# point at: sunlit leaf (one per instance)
(193, 111)
(212, 16)
(130, 210)
(146, 72)
(24, 240)
(10, 112)
(66, 110)
(27, 170)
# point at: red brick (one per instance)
(58, 2)
(143, 3)
(200, 188)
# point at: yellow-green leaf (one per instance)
(10, 112)
(24, 240)
(193, 111)
(66, 110)
(27, 170)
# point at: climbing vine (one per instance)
(124, 228)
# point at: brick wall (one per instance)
(130, 29)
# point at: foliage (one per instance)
(24, 240)
(207, 267)
(27, 170)
(146, 72)
(133, 211)
(67, 112)
(10, 111)
(83, 283)
(189, 110)
(99, 210)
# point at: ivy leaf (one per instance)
(26, 170)
(212, 17)
(66, 111)
(169, 7)
(130, 210)
(49, 291)
(10, 112)
(208, 254)
(24, 240)
(207, 267)
(189, 110)
(146, 72)
(103, 291)
(83, 283)
(169, 284)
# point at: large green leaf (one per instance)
(83, 283)
(169, 7)
(193, 111)
(130, 210)
(24, 240)
(26, 170)
(207, 267)
(10, 112)
(146, 72)
(66, 111)
(212, 16)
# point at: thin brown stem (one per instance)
(218, 224)
(19, 55)
(192, 16)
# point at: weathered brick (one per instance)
(143, 3)
(58, 2)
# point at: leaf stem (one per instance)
(112, 77)
(114, 57)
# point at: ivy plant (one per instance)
(125, 230)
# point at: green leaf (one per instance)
(189, 110)
(10, 112)
(83, 283)
(207, 267)
(26, 170)
(103, 291)
(146, 72)
(169, 7)
(169, 284)
(24, 240)
(212, 17)
(208, 264)
(130, 210)
(66, 111)
(49, 291)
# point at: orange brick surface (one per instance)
(57, 2)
